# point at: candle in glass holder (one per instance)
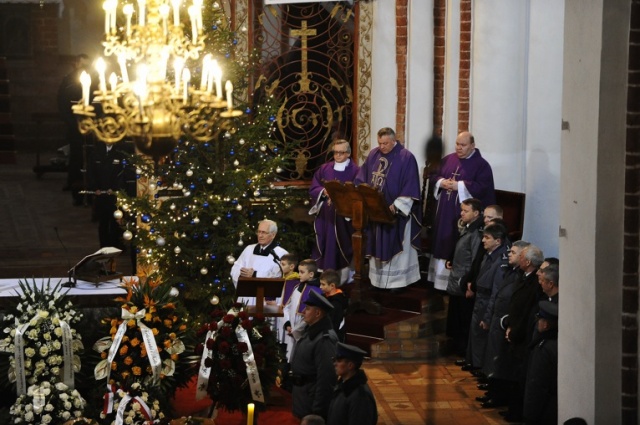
(250, 407)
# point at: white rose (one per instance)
(47, 336)
(55, 371)
(44, 350)
(28, 416)
(33, 334)
(58, 332)
(29, 352)
(65, 415)
(67, 405)
(43, 313)
(56, 345)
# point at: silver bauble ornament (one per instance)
(240, 242)
(127, 235)
(189, 173)
(174, 292)
(117, 214)
(196, 220)
(239, 207)
(209, 180)
(236, 162)
(160, 241)
(177, 250)
(214, 300)
(241, 141)
(215, 222)
(172, 207)
(230, 259)
(204, 271)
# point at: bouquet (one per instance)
(41, 326)
(46, 403)
(145, 351)
(233, 363)
(136, 406)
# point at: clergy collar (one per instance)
(264, 251)
(471, 154)
(341, 166)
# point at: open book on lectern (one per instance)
(96, 266)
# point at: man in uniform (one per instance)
(353, 402)
(312, 373)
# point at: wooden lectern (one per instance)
(260, 287)
(363, 204)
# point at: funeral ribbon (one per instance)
(252, 368)
(144, 409)
(205, 372)
(67, 354)
(149, 341)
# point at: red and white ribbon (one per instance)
(144, 409)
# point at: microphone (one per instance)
(70, 283)
(275, 256)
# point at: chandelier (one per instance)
(162, 102)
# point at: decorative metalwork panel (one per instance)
(308, 59)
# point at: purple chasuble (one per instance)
(478, 179)
(395, 174)
(287, 290)
(305, 296)
(332, 249)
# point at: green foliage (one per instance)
(203, 202)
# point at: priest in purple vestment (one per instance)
(332, 249)
(393, 248)
(463, 174)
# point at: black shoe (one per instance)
(483, 399)
(482, 380)
(484, 387)
(503, 412)
(469, 367)
(461, 362)
(478, 373)
(491, 403)
(513, 418)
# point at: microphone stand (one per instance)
(71, 283)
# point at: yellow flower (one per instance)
(128, 361)
(137, 370)
(124, 349)
(167, 343)
(155, 331)
(172, 335)
(125, 374)
(135, 342)
(168, 323)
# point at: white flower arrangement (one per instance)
(46, 403)
(42, 317)
(139, 407)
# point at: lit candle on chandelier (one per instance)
(229, 88)
(217, 74)
(114, 8)
(205, 70)
(176, 11)
(122, 61)
(113, 81)
(198, 5)
(186, 77)
(164, 12)
(128, 13)
(142, 4)
(194, 23)
(101, 67)
(85, 81)
(178, 64)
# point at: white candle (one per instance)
(163, 62)
(229, 88)
(194, 25)
(128, 12)
(218, 75)
(250, 409)
(85, 80)
(205, 70)
(107, 15)
(142, 4)
(101, 67)
(140, 90)
(198, 5)
(186, 77)
(212, 75)
(113, 81)
(122, 61)
(176, 11)
(114, 8)
(178, 64)
(164, 12)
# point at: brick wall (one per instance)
(401, 63)
(465, 65)
(631, 257)
(439, 14)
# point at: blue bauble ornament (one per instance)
(181, 285)
(212, 256)
(192, 186)
(152, 230)
(229, 215)
(247, 111)
(205, 205)
(146, 218)
(251, 150)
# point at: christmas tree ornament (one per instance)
(189, 172)
(160, 241)
(177, 250)
(215, 300)
(209, 180)
(117, 214)
(204, 271)
(127, 235)
(230, 259)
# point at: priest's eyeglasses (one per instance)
(339, 152)
(262, 232)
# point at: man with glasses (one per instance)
(332, 249)
(261, 259)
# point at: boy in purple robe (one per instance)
(332, 249)
(463, 174)
(393, 248)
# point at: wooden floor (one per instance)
(41, 233)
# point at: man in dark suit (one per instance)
(524, 301)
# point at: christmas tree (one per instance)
(198, 207)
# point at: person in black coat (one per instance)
(329, 283)
(353, 402)
(108, 172)
(541, 390)
(312, 373)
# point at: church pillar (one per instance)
(591, 219)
